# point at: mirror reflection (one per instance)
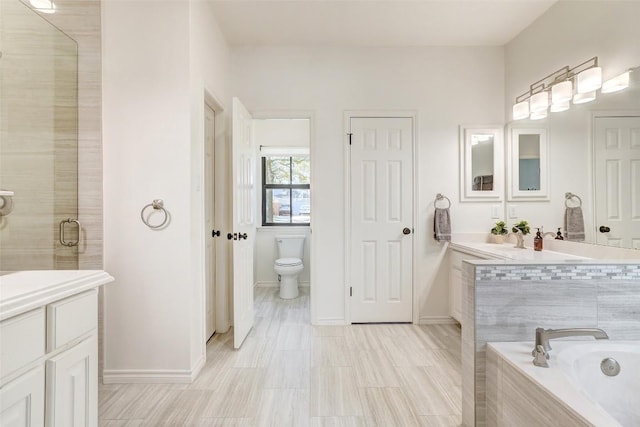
(529, 162)
(482, 154)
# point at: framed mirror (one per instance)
(527, 164)
(481, 163)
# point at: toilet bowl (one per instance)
(289, 264)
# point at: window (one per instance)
(286, 190)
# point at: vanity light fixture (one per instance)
(539, 102)
(617, 83)
(521, 110)
(583, 98)
(561, 92)
(44, 6)
(585, 78)
(537, 115)
(560, 106)
(589, 80)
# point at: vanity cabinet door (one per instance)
(22, 400)
(72, 386)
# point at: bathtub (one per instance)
(574, 381)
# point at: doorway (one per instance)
(209, 219)
(380, 219)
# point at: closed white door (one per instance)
(209, 219)
(244, 221)
(381, 175)
(617, 181)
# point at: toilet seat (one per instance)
(288, 262)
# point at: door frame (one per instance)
(221, 215)
(310, 115)
(381, 114)
(595, 114)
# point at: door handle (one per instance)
(236, 236)
(63, 241)
(406, 231)
(604, 229)
(215, 233)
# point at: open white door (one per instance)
(617, 181)
(243, 222)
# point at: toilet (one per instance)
(289, 264)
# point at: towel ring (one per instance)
(569, 196)
(440, 197)
(157, 204)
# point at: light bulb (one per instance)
(539, 102)
(581, 98)
(615, 84)
(589, 80)
(561, 92)
(521, 110)
(560, 106)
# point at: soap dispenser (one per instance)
(559, 235)
(537, 241)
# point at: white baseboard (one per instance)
(330, 321)
(158, 376)
(277, 284)
(436, 320)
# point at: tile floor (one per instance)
(289, 373)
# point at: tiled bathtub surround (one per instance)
(504, 301)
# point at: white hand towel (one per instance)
(442, 225)
(574, 224)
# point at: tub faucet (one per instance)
(542, 347)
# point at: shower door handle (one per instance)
(63, 241)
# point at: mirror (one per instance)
(481, 163)
(527, 165)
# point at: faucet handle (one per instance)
(540, 357)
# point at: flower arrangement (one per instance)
(523, 227)
(500, 229)
(499, 232)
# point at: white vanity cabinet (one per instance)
(49, 350)
(456, 256)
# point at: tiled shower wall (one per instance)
(504, 302)
(81, 20)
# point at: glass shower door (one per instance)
(38, 143)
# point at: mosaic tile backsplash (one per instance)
(558, 272)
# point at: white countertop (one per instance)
(24, 290)
(507, 251)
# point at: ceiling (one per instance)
(375, 22)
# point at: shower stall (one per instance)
(39, 229)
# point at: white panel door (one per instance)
(22, 400)
(617, 180)
(72, 386)
(244, 221)
(381, 176)
(209, 210)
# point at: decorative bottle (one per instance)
(537, 241)
(559, 235)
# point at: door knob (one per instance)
(604, 229)
(242, 236)
(406, 230)
(233, 236)
(215, 233)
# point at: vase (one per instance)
(498, 238)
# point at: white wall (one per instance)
(446, 86)
(152, 130)
(569, 33)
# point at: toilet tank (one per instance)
(291, 246)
